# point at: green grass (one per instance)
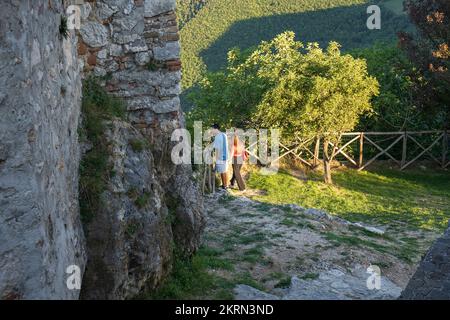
(193, 278)
(253, 255)
(210, 31)
(415, 198)
(284, 282)
(190, 278)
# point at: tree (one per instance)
(395, 108)
(304, 91)
(430, 52)
(316, 92)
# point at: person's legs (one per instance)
(224, 179)
(237, 173)
(233, 178)
(221, 168)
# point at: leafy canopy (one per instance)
(283, 84)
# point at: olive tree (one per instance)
(315, 92)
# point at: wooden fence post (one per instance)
(444, 148)
(404, 154)
(205, 171)
(361, 150)
(316, 153)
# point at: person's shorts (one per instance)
(221, 167)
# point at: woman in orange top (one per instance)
(238, 156)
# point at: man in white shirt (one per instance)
(222, 156)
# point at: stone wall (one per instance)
(431, 281)
(40, 231)
(150, 205)
(133, 47)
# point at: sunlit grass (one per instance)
(416, 198)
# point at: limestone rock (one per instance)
(129, 245)
(94, 34)
(245, 292)
(103, 11)
(40, 229)
(333, 284)
(156, 7)
(186, 202)
(170, 51)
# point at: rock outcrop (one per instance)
(40, 83)
(130, 238)
(432, 278)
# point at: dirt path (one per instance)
(288, 252)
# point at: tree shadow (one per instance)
(346, 25)
(392, 183)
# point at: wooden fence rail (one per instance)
(407, 147)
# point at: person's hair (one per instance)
(215, 126)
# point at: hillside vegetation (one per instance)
(211, 28)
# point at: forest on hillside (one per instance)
(210, 28)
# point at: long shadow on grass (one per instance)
(405, 192)
(390, 182)
(346, 25)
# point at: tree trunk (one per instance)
(326, 163)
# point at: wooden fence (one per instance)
(403, 148)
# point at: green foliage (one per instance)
(284, 85)
(394, 5)
(414, 199)
(208, 34)
(63, 28)
(316, 93)
(394, 108)
(187, 10)
(97, 107)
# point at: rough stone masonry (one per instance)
(133, 46)
(40, 83)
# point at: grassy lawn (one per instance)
(416, 199)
